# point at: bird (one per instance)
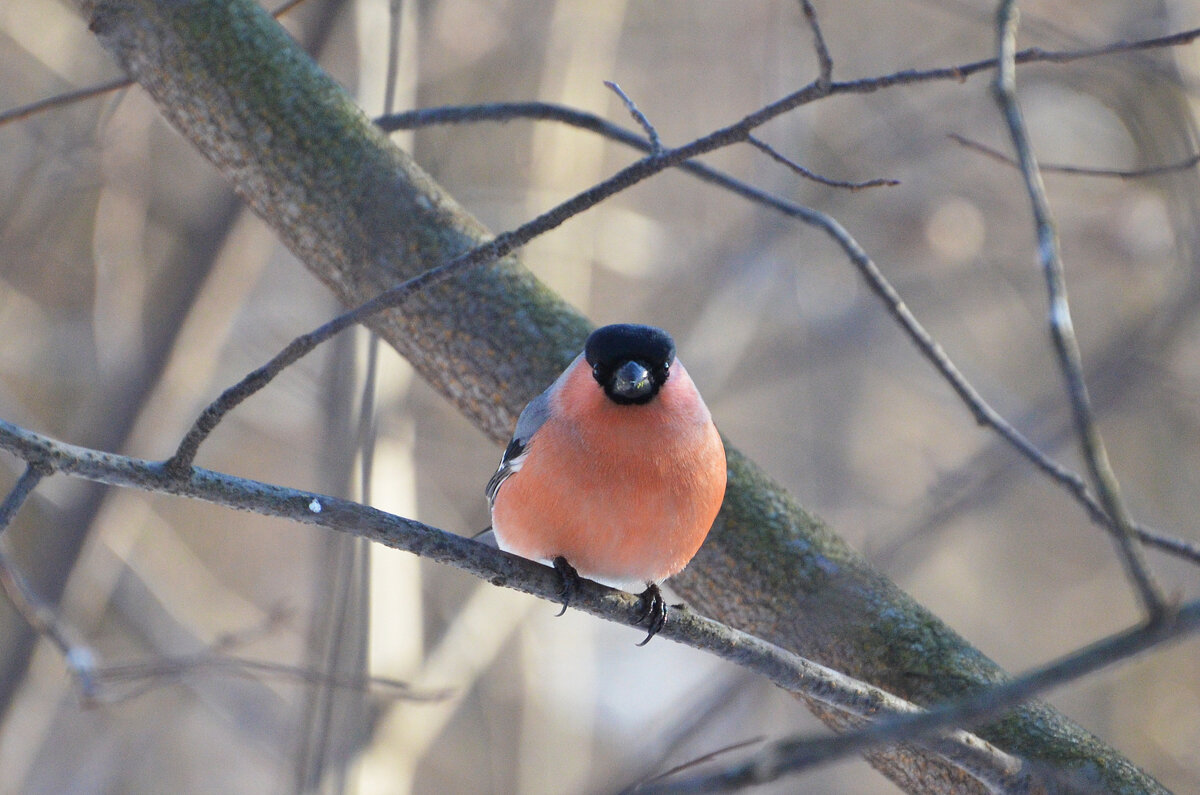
(615, 472)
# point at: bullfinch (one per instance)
(616, 472)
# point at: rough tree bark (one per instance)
(362, 216)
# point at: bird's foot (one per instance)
(653, 612)
(570, 581)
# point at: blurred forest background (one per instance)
(134, 287)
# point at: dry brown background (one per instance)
(133, 287)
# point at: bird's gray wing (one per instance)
(531, 419)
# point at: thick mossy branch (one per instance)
(363, 217)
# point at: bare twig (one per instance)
(366, 431)
(1179, 547)
(1030, 55)
(391, 76)
(1062, 331)
(856, 699)
(1082, 171)
(804, 172)
(824, 60)
(795, 754)
(36, 611)
(656, 144)
(35, 470)
(59, 100)
(982, 411)
(699, 760)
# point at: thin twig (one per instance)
(1082, 171)
(656, 144)
(1030, 55)
(824, 60)
(392, 73)
(1179, 547)
(699, 760)
(35, 470)
(366, 432)
(855, 699)
(36, 611)
(796, 754)
(1066, 346)
(804, 172)
(59, 100)
(980, 409)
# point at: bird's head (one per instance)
(631, 362)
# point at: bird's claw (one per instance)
(653, 612)
(570, 582)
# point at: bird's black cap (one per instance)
(610, 348)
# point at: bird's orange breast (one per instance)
(626, 494)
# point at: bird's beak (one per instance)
(632, 381)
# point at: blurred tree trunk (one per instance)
(362, 216)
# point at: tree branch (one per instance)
(795, 754)
(795, 674)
